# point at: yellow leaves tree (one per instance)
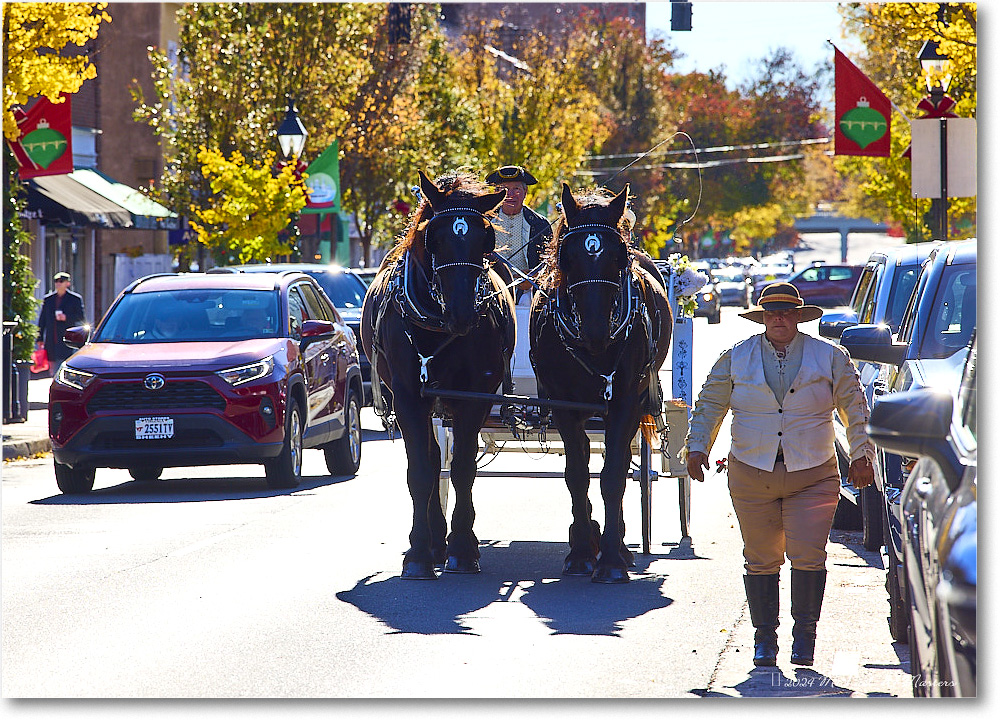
(34, 64)
(250, 207)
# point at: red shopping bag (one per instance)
(39, 361)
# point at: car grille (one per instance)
(195, 438)
(136, 397)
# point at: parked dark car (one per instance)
(345, 289)
(826, 285)
(207, 369)
(734, 286)
(939, 510)
(367, 275)
(928, 352)
(708, 298)
(881, 296)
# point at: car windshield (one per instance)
(899, 295)
(343, 290)
(953, 318)
(729, 275)
(178, 316)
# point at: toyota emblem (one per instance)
(154, 382)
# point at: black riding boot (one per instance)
(807, 600)
(762, 595)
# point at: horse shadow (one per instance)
(525, 572)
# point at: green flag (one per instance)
(323, 182)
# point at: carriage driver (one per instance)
(783, 387)
(525, 232)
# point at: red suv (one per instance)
(197, 369)
(827, 285)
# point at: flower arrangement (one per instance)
(687, 282)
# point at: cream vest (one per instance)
(802, 421)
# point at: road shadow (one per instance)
(527, 572)
(772, 682)
(188, 490)
(852, 540)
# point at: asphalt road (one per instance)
(209, 585)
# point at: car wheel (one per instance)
(74, 480)
(343, 456)
(145, 473)
(899, 609)
(847, 516)
(285, 471)
(716, 317)
(871, 504)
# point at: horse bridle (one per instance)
(483, 284)
(624, 303)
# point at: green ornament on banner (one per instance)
(863, 124)
(44, 145)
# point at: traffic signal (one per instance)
(680, 15)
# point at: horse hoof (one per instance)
(578, 567)
(418, 571)
(456, 565)
(610, 574)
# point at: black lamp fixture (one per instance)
(291, 133)
(934, 64)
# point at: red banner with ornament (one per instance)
(45, 146)
(862, 112)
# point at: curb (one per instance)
(26, 449)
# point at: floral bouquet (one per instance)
(687, 282)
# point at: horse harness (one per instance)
(628, 310)
(399, 292)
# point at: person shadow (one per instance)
(773, 682)
(527, 572)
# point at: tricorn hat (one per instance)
(511, 174)
(781, 296)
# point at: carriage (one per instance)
(600, 327)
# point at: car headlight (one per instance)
(250, 372)
(707, 296)
(74, 378)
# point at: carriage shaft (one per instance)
(595, 408)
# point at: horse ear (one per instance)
(430, 191)
(570, 207)
(617, 204)
(490, 202)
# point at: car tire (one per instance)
(871, 504)
(285, 471)
(343, 456)
(716, 317)
(847, 516)
(74, 480)
(146, 473)
(899, 607)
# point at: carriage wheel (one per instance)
(645, 462)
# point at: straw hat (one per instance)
(781, 296)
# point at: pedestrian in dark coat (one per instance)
(61, 309)
(783, 387)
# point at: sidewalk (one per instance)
(26, 439)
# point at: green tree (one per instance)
(892, 35)
(19, 302)
(249, 209)
(34, 62)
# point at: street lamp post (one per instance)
(938, 105)
(291, 133)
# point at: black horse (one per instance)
(599, 333)
(438, 317)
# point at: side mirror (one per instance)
(834, 322)
(915, 423)
(315, 329)
(873, 343)
(77, 336)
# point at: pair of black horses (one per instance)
(439, 315)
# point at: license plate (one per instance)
(151, 428)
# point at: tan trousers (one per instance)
(784, 512)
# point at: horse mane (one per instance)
(457, 184)
(551, 276)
